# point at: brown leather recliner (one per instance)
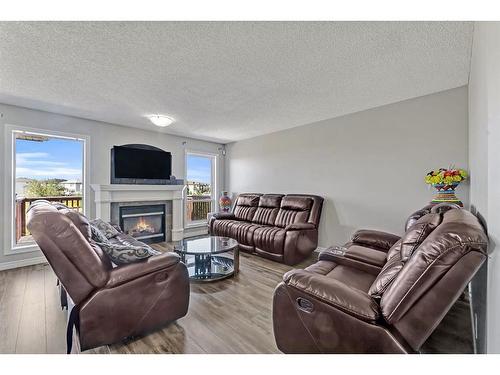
(381, 293)
(280, 227)
(111, 303)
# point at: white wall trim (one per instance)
(319, 249)
(193, 232)
(22, 263)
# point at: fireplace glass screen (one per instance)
(145, 223)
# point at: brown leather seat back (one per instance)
(439, 208)
(401, 252)
(417, 215)
(75, 262)
(269, 205)
(246, 205)
(434, 276)
(298, 208)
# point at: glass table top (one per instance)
(205, 245)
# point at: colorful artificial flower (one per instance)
(445, 176)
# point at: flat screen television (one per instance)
(140, 164)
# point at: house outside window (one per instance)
(45, 166)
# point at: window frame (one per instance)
(10, 245)
(215, 165)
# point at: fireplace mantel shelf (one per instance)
(117, 187)
(104, 195)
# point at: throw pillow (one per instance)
(125, 254)
(97, 235)
(107, 229)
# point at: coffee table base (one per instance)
(204, 267)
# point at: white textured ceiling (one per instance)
(227, 81)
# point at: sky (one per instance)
(199, 169)
(55, 158)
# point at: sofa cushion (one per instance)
(269, 239)
(293, 209)
(417, 233)
(399, 254)
(267, 210)
(223, 227)
(296, 203)
(245, 206)
(242, 232)
(270, 200)
(460, 235)
(386, 276)
(395, 249)
(248, 200)
(80, 221)
(351, 276)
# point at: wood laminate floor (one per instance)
(228, 316)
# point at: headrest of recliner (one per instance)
(251, 200)
(270, 200)
(296, 203)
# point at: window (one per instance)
(200, 180)
(44, 167)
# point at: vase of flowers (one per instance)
(445, 181)
(225, 202)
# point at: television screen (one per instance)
(141, 164)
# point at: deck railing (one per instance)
(23, 204)
(197, 207)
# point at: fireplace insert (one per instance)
(144, 223)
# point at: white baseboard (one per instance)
(22, 263)
(320, 249)
(195, 231)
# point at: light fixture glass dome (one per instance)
(160, 120)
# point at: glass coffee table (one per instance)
(209, 258)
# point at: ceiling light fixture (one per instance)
(160, 120)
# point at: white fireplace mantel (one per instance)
(107, 194)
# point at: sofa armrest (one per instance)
(375, 238)
(333, 292)
(339, 258)
(224, 216)
(300, 226)
(126, 273)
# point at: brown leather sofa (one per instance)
(110, 303)
(280, 227)
(381, 293)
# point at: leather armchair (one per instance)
(350, 302)
(110, 303)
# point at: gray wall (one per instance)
(369, 166)
(484, 157)
(103, 136)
